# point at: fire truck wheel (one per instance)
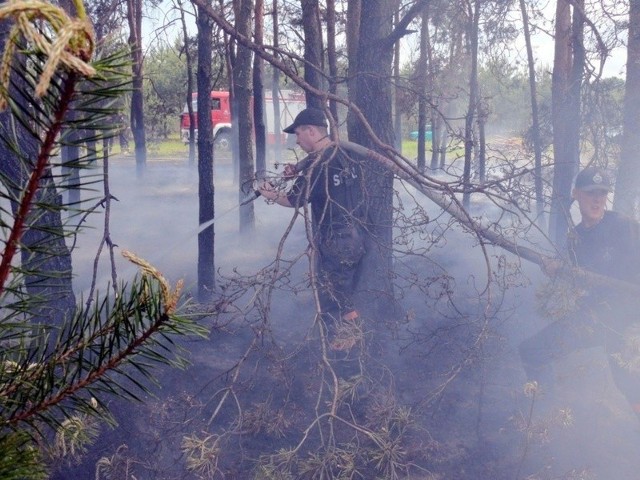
(223, 141)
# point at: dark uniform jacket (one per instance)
(332, 183)
(611, 247)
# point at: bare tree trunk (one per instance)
(435, 139)
(243, 120)
(70, 151)
(230, 56)
(332, 58)
(49, 281)
(443, 133)
(474, 19)
(258, 89)
(50, 276)
(206, 212)
(422, 90)
(442, 150)
(566, 83)
(371, 91)
(535, 120)
(448, 110)
(627, 194)
(189, 62)
(436, 118)
(354, 13)
(275, 87)
(69, 155)
(312, 49)
(134, 17)
(397, 111)
(482, 142)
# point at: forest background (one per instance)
(428, 386)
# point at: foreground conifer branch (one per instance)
(55, 377)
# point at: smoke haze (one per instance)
(452, 360)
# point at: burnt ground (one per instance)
(452, 366)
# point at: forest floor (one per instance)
(481, 426)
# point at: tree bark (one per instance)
(258, 89)
(243, 120)
(565, 94)
(422, 90)
(627, 195)
(372, 36)
(206, 211)
(312, 49)
(134, 17)
(535, 120)
(44, 253)
(397, 111)
(189, 100)
(474, 19)
(436, 115)
(332, 58)
(354, 13)
(371, 92)
(275, 87)
(482, 114)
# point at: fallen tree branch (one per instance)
(403, 169)
(448, 202)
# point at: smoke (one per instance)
(452, 361)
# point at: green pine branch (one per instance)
(55, 378)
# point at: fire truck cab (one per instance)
(291, 103)
(220, 119)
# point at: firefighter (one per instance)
(607, 243)
(331, 181)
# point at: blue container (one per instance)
(428, 135)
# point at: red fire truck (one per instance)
(291, 103)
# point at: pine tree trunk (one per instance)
(371, 91)
(258, 89)
(206, 237)
(627, 196)
(50, 276)
(243, 120)
(312, 49)
(134, 17)
(566, 82)
(535, 119)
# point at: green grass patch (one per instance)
(173, 147)
(410, 149)
(170, 146)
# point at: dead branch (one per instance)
(447, 201)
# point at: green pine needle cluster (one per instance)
(56, 376)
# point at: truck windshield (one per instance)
(215, 105)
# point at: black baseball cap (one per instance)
(593, 178)
(308, 116)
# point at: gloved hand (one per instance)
(289, 171)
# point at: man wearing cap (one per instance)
(331, 181)
(606, 243)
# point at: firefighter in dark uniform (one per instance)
(329, 180)
(606, 243)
